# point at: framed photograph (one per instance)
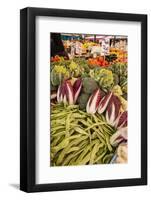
(83, 99)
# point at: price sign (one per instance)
(105, 46)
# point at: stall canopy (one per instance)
(67, 36)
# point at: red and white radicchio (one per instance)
(113, 110)
(119, 137)
(67, 93)
(93, 102)
(104, 103)
(77, 88)
(122, 120)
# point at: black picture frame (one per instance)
(28, 99)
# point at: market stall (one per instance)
(89, 101)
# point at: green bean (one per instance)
(93, 153)
(67, 149)
(96, 124)
(107, 130)
(58, 134)
(51, 155)
(100, 138)
(60, 114)
(71, 131)
(84, 113)
(100, 157)
(57, 140)
(99, 133)
(86, 151)
(97, 121)
(64, 152)
(54, 158)
(100, 145)
(83, 143)
(96, 118)
(107, 158)
(90, 136)
(83, 153)
(72, 107)
(73, 149)
(84, 122)
(85, 159)
(89, 121)
(94, 135)
(78, 140)
(72, 125)
(101, 117)
(79, 130)
(77, 115)
(61, 145)
(60, 121)
(108, 144)
(78, 137)
(74, 136)
(68, 124)
(57, 128)
(70, 156)
(72, 161)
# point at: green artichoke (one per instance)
(82, 100)
(106, 79)
(89, 85)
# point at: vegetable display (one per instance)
(89, 107)
(79, 138)
(89, 116)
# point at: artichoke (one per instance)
(59, 73)
(72, 66)
(55, 78)
(106, 80)
(117, 90)
(82, 100)
(89, 85)
(119, 69)
(124, 89)
(95, 73)
(74, 69)
(104, 77)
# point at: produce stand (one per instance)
(89, 101)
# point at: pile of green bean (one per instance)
(79, 138)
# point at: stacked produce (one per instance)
(121, 55)
(99, 61)
(78, 138)
(88, 113)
